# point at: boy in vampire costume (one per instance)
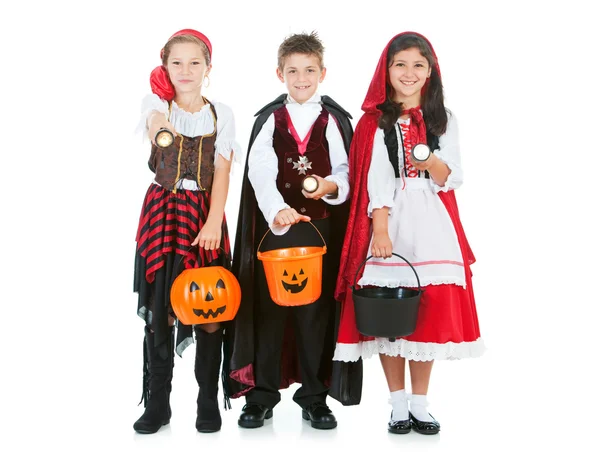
(269, 347)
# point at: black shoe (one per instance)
(425, 428)
(154, 417)
(158, 373)
(320, 416)
(253, 415)
(208, 420)
(399, 427)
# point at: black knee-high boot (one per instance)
(158, 373)
(207, 369)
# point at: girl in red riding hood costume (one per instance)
(182, 223)
(404, 206)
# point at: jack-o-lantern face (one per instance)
(204, 295)
(295, 284)
(293, 274)
(209, 311)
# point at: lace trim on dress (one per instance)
(393, 283)
(414, 351)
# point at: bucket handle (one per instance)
(189, 250)
(371, 256)
(269, 230)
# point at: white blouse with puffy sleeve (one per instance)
(197, 124)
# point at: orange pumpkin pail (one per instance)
(205, 295)
(294, 274)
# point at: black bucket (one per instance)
(386, 312)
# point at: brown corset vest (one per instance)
(191, 158)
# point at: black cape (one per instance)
(346, 377)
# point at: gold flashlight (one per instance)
(164, 138)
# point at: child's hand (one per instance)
(156, 121)
(209, 237)
(289, 217)
(382, 245)
(425, 165)
(325, 187)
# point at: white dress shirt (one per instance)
(263, 163)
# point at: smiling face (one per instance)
(301, 74)
(186, 65)
(211, 307)
(203, 295)
(408, 73)
(296, 282)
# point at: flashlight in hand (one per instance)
(420, 152)
(164, 138)
(310, 184)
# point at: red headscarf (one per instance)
(358, 233)
(159, 78)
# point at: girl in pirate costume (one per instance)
(408, 207)
(182, 223)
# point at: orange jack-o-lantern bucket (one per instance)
(294, 274)
(205, 295)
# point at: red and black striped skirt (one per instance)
(169, 222)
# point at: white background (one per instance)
(522, 77)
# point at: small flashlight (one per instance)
(164, 138)
(420, 152)
(310, 184)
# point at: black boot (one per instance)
(158, 373)
(207, 369)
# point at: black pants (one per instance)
(310, 324)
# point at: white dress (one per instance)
(422, 231)
(419, 225)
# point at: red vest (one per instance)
(293, 167)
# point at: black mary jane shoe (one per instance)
(320, 416)
(400, 427)
(253, 415)
(425, 428)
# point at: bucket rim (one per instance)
(323, 250)
(358, 291)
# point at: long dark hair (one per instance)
(432, 101)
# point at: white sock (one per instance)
(418, 408)
(399, 402)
